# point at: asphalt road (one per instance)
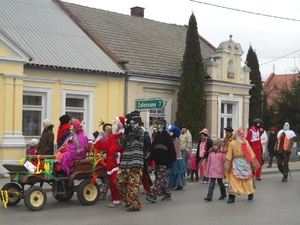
(274, 203)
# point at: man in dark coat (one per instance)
(163, 153)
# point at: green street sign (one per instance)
(149, 103)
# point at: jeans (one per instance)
(185, 160)
(212, 187)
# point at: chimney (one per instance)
(137, 11)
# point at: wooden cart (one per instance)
(29, 187)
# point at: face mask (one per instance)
(286, 126)
(160, 127)
(171, 133)
(155, 127)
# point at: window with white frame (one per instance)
(227, 116)
(75, 106)
(79, 104)
(36, 108)
(33, 111)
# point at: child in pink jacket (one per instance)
(193, 166)
(215, 169)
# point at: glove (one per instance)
(127, 129)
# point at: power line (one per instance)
(278, 58)
(244, 11)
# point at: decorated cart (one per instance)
(27, 182)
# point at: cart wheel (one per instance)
(87, 193)
(63, 197)
(35, 198)
(14, 191)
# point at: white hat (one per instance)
(34, 141)
(47, 122)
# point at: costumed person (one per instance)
(240, 162)
(46, 143)
(226, 140)
(264, 142)
(32, 147)
(63, 130)
(204, 145)
(253, 137)
(271, 146)
(284, 144)
(129, 177)
(163, 153)
(185, 146)
(146, 179)
(215, 169)
(194, 167)
(75, 147)
(101, 154)
(113, 157)
(176, 174)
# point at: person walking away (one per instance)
(204, 145)
(226, 140)
(185, 146)
(253, 138)
(271, 146)
(176, 174)
(194, 167)
(215, 169)
(129, 177)
(264, 142)
(46, 143)
(240, 161)
(284, 144)
(163, 153)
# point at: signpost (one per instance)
(149, 103)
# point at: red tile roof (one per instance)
(278, 80)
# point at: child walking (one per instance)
(193, 166)
(215, 169)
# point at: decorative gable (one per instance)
(9, 51)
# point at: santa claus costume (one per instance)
(113, 157)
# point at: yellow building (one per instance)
(50, 67)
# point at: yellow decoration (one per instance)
(38, 170)
(4, 197)
(22, 161)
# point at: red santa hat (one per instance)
(120, 121)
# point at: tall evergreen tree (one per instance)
(256, 100)
(191, 96)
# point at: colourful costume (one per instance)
(240, 161)
(253, 138)
(113, 159)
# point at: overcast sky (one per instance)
(276, 41)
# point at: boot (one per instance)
(284, 178)
(231, 199)
(250, 197)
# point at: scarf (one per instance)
(246, 152)
(202, 147)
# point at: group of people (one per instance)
(129, 149)
(240, 158)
